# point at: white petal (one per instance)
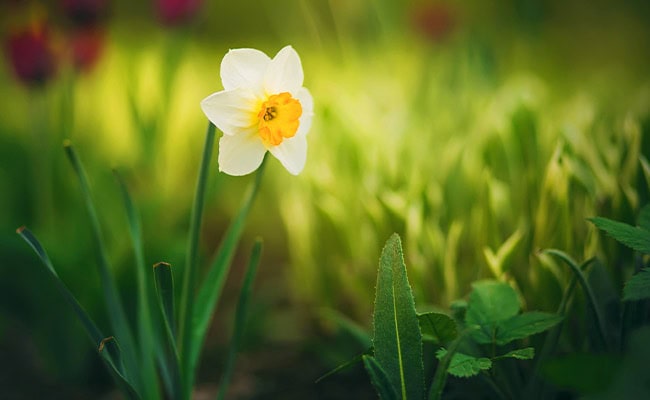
(244, 68)
(307, 103)
(232, 111)
(284, 73)
(240, 154)
(292, 153)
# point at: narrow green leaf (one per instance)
(112, 298)
(638, 287)
(631, 236)
(379, 379)
(93, 332)
(164, 283)
(345, 365)
(527, 353)
(489, 303)
(600, 321)
(210, 290)
(191, 265)
(463, 365)
(111, 354)
(113, 358)
(147, 338)
(240, 317)
(396, 335)
(524, 325)
(437, 327)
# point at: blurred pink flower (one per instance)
(31, 55)
(177, 12)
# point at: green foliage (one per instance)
(494, 307)
(638, 287)
(437, 327)
(527, 353)
(636, 238)
(397, 340)
(465, 366)
(379, 378)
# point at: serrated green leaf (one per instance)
(489, 303)
(638, 286)
(631, 236)
(396, 335)
(437, 327)
(379, 379)
(524, 325)
(527, 353)
(463, 365)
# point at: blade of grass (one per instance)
(164, 280)
(240, 317)
(147, 336)
(112, 360)
(111, 354)
(191, 261)
(600, 322)
(111, 295)
(210, 290)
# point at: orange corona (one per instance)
(278, 118)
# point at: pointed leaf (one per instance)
(437, 327)
(396, 335)
(240, 317)
(379, 379)
(524, 325)
(638, 287)
(631, 236)
(527, 353)
(463, 365)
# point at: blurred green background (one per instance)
(479, 132)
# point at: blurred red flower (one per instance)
(86, 47)
(435, 21)
(31, 55)
(177, 12)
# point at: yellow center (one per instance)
(278, 118)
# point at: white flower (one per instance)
(263, 107)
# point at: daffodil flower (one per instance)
(263, 107)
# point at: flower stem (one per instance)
(189, 279)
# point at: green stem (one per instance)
(440, 377)
(189, 279)
(587, 288)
